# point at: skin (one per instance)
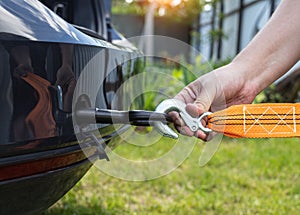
(271, 53)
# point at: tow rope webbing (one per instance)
(257, 120)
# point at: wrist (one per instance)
(246, 80)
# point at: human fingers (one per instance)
(180, 125)
(182, 128)
(187, 94)
(194, 109)
(176, 119)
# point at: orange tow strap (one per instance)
(257, 120)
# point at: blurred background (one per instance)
(218, 29)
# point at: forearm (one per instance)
(274, 50)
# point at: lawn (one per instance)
(246, 176)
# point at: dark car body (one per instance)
(42, 57)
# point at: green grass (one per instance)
(246, 176)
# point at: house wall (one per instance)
(133, 25)
(242, 19)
